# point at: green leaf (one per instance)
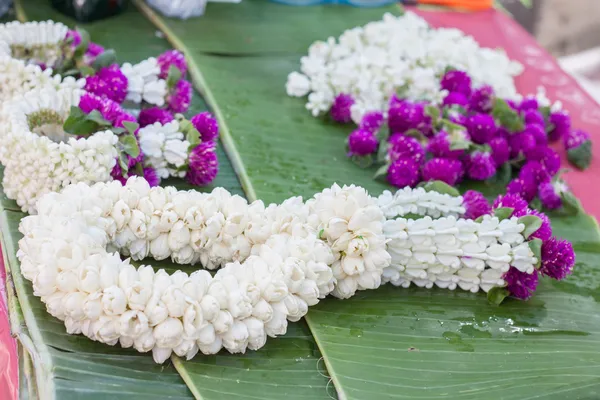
(106, 59)
(382, 152)
(381, 173)
(96, 117)
(532, 224)
(503, 212)
(417, 134)
(441, 187)
(496, 295)
(503, 175)
(570, 204)
(581, 156)
(130, 145)
(451, 126)
(460, 145)
(131, 127)
(174, 75)
(78, 124)
(123, 163)
(433, 112)
(85, 70)
(506, 116)
(83, 45)
(536, 248)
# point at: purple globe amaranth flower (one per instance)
(89, 102)
(110, 110)
(575, 138)
(151, 176)
(455, 99)
(93, 51)
(579, 148)
(561, 125)
(475, 204)
(361, 142)
(443, 169)
(109, 82)
(525, 188)
(528, 103)
(403, 172)
(406, 115)
(456, 81)
(124, 117)
(179, 99)
(539, 134)
(458, 118)
(500, 150)
(207, 125)
(371, 121)
(171, 57)
(544, 232)
(548, 157)
(481, 166)
(513, 201)
(558, 258)
(534, 171)
(439, 146)
(521, 284)
(481, 128)
(503, 133)
(148, 116)
(533, 117)
(512, 104)
(402, 146)
(340, 109)
(203, 164)
(520, 143)
(481, 100)
(548, 196)
(74, 36)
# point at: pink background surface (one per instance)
(492, 29)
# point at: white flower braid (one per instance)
(275, 261)
(33, 41)
(39, 157)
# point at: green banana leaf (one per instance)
(392, 342)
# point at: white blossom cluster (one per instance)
(275, 261)
(447, 252)
(421, 202)
(143, 82)
(165, 148)
(33, 41)
(373, 62)
(39, 157)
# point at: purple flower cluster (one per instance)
(109, 109)
(109, 83)
(557, 255)
(174, 58)
(203, 162)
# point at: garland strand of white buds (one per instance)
(37, 42)
(421, 202)
(275, 260)
(39, 157)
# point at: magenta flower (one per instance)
(481, 100)
(203, 164)
(109, 82)
(110, 110)
(475, 204)
(548, 196)
(443, 169)
(405, 115)
(207, 125)
(439, 146)
(402, 146)
(73, 34)
(171, 57)
(372, 121)
(361, 142)
(458, 118)
(481, 166)
(90, 102)
(534, 171)
(124, 117)
(528, 103)
(558, 258)
(526, 189)
(456, 81)
(500, 150)
(148, 116)
(575, 138)
(403, 172)
(561, 125)
(520, 284)
(544, 232)
(513, 201)
(455, 99)
(151, 176)
(481, 128)
(180, 97)
(539, 134)
(340, 109)
(521, 143)
(93, 51)
(548, 157)
(533, 117)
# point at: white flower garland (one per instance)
(374, 61)
(276, 261)
(419, 201)
(39, 157)
(165, 148)
(143, 82)
(33, 41)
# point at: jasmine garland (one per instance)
(274, 260)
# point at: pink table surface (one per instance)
(490, 28)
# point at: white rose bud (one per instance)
(262, 311)
(54, 305)
(126, 342)
(257, 336)
(193, 218)
(336, 228)
(44, 283)
(145, 342)
(206, 335)
(353, 265)
(89, 278)
(146, 274)
(121, 213)
(345, 288)
(156, 310)
(184, 255)
(275, 291)
(114, 301)
(159, 247)
(92, 307)
(127, 276)
(192, 320)
(278, 324)
(133, 324)
(107, 330)
(223, 322)
(152, 228)
(169, 333)
(74, 327)
(309, 292)
(219, 292)
(138, 295)
(124, 238)
(138, 224)
(296, 307)
(109, 275)
(67, 281)
(211, 348)
(210, 307)
(187, 348)
(145, 205)
(179, 236)
(236, 339)
(161, 354)
(139, 185)
(174, 300)
(73, 305)
(369, 280)
(139, 249)
(167, 220)
(158, 197)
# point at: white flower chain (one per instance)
(419, 201)
(43, 158)
(165, 148)
(374, 61)
(38, 41)
(275, 261)
(143, 82)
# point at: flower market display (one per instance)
(70, 114)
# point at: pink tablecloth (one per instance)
(490, 28)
